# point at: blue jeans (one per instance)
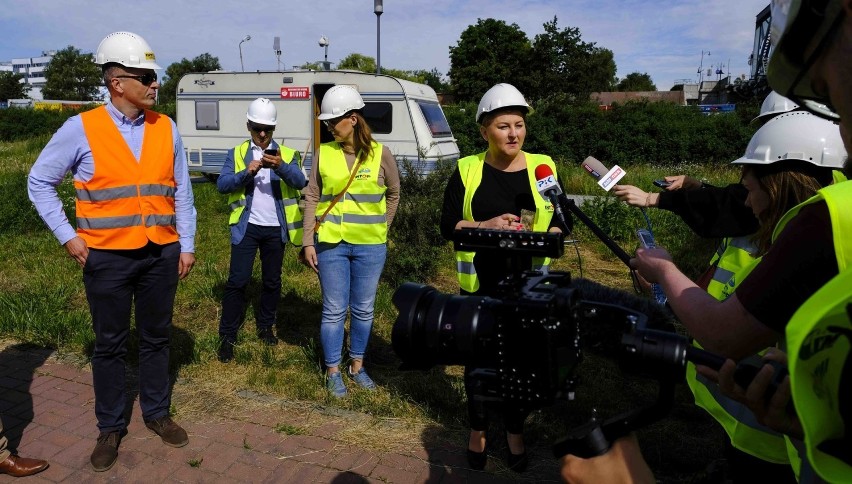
(268, 241)
(349, 275)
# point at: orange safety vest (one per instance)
(127, 203)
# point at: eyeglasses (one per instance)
(146, 79)
(257, 128)
(330, 123)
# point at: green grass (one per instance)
(42, 301)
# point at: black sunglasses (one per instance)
(257, 128)
(330, 123)
(146, 79)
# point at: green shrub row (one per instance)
(660, 134)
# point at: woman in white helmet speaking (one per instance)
(489, 190)
(350, 201)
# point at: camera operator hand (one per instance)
(622, 464)
(652, 264)
(775, 412)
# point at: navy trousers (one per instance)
(268, 241)
(114, 280)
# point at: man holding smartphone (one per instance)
(264, 215)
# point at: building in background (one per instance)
(32, 68)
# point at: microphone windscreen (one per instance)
(659, 316)
(594, 167)
(542, 171)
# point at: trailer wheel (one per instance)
(212, 177)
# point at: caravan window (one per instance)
(435, 118)
(379, 116)
(207, 115)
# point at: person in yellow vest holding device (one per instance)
(810, 248)
(783, 166)
(488, 191)
(262, 180)
(350, 202)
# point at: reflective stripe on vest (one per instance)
(733, 264)
(127, 202)
(289, 195)
(470, 169)
(360, 216)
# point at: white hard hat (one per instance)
(262, 111)
(795, 24)
(338, 101)
(773, 105)
(797, 135)
(501, 96)
(127, 49)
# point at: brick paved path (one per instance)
(47, 407)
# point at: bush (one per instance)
(21, 123)
(661, 134)
(414, 253)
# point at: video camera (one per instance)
(526, 342)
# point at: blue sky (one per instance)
(664, 39)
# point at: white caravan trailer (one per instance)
(404, 116)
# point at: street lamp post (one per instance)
(378, 9)
(323, 42)
(248, 37)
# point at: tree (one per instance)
(358, 62)
(202, 63)
(71, 75)
(11, 86)
(433, 79)
(487, 53)
(567, 65)
(636, 82)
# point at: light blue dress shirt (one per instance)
(68, 150)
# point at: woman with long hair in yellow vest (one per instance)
(488, 191)
(350, 201)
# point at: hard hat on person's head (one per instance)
(797, 135)
(772, 106)
(338, 101)
(797, 26)
(127, 49)
(501, 96)
(262, 111)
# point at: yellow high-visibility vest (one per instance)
(289, 195)
(360, 216)
(470, 169)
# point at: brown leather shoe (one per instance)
(17, 466)
(106, 451)
(171, 433)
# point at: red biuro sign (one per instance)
(295, 93)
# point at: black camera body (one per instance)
(524, 344)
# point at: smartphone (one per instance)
(646, 238)
(662, 183)
(271, 151)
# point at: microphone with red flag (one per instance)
(606, 178)
(549, 189)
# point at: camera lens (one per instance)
(434, 328)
